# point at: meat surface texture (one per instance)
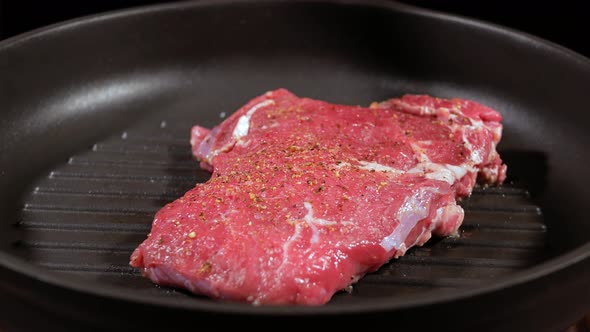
(307, 196)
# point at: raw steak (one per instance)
(307, 196)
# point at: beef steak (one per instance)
(307, 196)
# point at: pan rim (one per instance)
(543, 269)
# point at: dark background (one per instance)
(564, 22)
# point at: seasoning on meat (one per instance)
(307, 196)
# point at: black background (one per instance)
(564, 22)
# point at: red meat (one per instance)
(306, 196)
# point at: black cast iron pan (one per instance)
(94, 139)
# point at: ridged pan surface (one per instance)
(87, 215)
(94, 139)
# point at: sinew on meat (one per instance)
(307, 196)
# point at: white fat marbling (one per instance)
(419, 153)
(433, 171)
(287, 244)
(441, 172)
(458, 171)
(371, 166)
(413, 209)
(314, 222)
(243, 126)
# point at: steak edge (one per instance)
(307, 196)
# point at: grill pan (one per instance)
(94, 132)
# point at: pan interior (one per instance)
(106, 132)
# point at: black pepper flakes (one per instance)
(206, 267)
